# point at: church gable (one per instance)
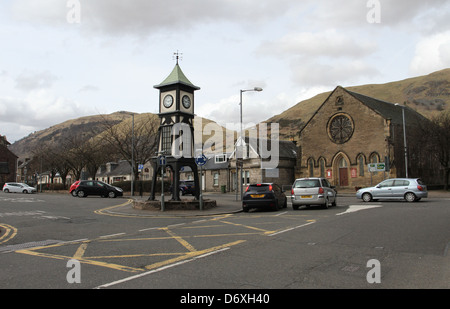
(342, 137)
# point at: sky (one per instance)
(64, 59)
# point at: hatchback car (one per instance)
(313, 191)
(16, 187)
(95, 187)
(409, 189)
(264, 195)
(73, 187)
(187, 187)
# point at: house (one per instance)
(8, 162)
(349, 131)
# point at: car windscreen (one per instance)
(307, 183)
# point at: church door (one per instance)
(343, 176)
(343, 172)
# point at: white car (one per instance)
(312, 191)
(16, 187)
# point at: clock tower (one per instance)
(176, 129)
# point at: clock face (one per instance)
(168, 101)
(186, 101)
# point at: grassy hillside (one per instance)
(428, 95)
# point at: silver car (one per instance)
(312, 191)
(409, 189)
(16, 187)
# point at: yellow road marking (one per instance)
(183, 242)
(247, 226)
(10, 233)
(191, 255)
(80, 251)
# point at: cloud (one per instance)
(327, 43)
(39, 109)
(143, 17)
(431, 54)
(34, 80)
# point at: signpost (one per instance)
(200, 161)
(162, 164)
(376, 167)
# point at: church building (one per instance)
(349, 131)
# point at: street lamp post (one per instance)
(258, 89)
(404, 139)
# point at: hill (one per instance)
(428, 95)
(88, 126)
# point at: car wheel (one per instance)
(73, 193)
(112, 194)
(25, 191)
(410, 197)
(245, 209)
(6, 191)
(367, 197)
(295, 207)
(81, 193)
(334, 204)
(285, 203)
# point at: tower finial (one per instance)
(178, 55)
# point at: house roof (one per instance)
(388, 110)
(121, 168)
(287, 149)
(176, 77)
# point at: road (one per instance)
(354, 245)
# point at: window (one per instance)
(216, 179)
(340, 128)
(166, 139)
(220, 158)
(245, 177)
(322, 167)
(311, 167)
(361, 165)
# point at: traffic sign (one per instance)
(377, 167)
(201, 160)
(162, 160)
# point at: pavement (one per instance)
(227, 203)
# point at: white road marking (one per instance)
(353, 208)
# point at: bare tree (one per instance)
(132, 138)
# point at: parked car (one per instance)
(313, 191)
(186, 187)
(264, 195)
(95, 187)
(73, 187)
(409, 189)
(16, 187)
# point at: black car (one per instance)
(187, 187)
(264, 195)
(95, 187)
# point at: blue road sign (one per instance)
(162, 160)
(201, 160)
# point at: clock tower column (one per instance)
(176, 129)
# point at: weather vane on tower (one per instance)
(177, 56)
